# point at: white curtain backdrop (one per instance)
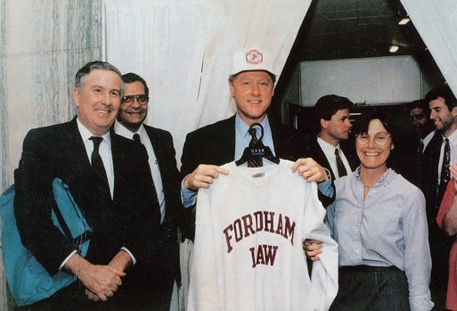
(436, 22)
(183, 50)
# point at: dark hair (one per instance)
(87, 68)
(328, 105)
(445, 93)
(133, 77)
(402, 158)
(363, 122)
(421, 104)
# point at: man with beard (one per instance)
(439, 153)
(164, 264)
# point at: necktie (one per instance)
(254, 161)
(136, 137)
(97, 162)
(445, 173)
(421, 147)
(339, 164)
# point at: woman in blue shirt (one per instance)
(379, 222)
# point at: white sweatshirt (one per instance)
(248, 252)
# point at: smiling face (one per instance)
(441, 116)
(371, 154)
(97, 99)
(252, 91)
(132, 114)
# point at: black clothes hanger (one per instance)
(258, 150)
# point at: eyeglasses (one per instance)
(418, 116)
(380, 138)
(141, 99)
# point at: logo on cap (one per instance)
(254, 57)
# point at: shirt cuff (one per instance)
(421, 303)
(325, 187)
(188, 197)
(131, 255)
(66, 259)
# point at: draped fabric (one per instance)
(436, 22)
(183, 50)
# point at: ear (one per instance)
(454, 112)
(232, 89)
(76, 96)
(324, 123)
(392, 146)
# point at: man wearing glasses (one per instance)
(164, 264)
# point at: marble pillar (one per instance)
(42, 45)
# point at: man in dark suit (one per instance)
(443, 111)
(252, 87)
(114, 198)
(332, 114)
(165, 174)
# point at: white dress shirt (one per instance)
(329, 152)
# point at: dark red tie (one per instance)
(254, 161)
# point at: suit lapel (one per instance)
(73, 147)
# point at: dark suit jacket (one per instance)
(429, 171)
(315, 151)
(162, 142)
(215, 144)
(59, 151)
(440, 242)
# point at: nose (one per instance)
(371, 143)
(432, 114)
(255, 89)
(135, 103)
(108, 99)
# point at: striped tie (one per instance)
(254, 160)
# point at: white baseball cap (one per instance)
(250, 59)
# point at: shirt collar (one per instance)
(326, 147)
(242, 128)
(385, 179)
(86, 134)
(452, 138)
(125, 132)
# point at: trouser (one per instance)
(371, 288)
